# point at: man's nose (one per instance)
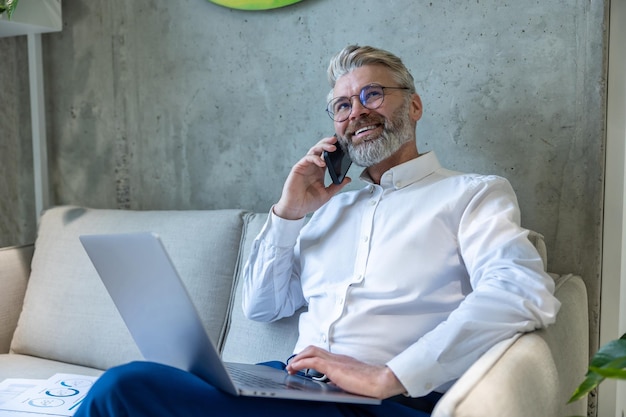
(358, 109)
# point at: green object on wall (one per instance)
(254, 4)
(8, 6)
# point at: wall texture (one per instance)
(154, 104)
(17, 201)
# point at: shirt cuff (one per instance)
(419, 373)
(281, 232)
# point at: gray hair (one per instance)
(354, 56)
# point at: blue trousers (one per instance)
(147, 389)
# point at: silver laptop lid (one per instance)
(147, 291)
(158, 312)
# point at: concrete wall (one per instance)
(17, 204)
(154, 104)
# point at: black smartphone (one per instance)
(338, 162)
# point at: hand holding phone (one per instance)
(338, 162)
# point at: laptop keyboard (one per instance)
(243, 377)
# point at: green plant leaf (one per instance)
(591, 381)
(608, 362)
(610, 352)
(614, 369)
(611, 373)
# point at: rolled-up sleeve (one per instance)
(510, 294)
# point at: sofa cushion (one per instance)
(15, 263)
(69, 316)
(252, 342)
(23, 366)
(535, 373)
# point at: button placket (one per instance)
(365, 232)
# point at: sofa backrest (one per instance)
(67, 313)
(252, 342)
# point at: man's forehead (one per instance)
(353, 81)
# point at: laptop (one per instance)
(155, 305)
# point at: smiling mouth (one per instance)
(365, 133)
(365, 129)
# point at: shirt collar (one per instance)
(408, 172)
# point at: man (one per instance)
(408, 281)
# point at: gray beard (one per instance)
(396, 132)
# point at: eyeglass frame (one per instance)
(331, 113)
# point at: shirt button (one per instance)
(366, 238)
(372, 202)
(324, 338)
(428, 386)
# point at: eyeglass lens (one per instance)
(370, 96)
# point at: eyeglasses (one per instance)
(371, 97)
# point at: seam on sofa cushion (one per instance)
(246, 217)
(560, 280)
(27, 245)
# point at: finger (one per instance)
(333, 189)
(319, 150)
(305, 364)
(326, 144)
(313, 351)
(314, 159)
(297, 362)
(309, 165)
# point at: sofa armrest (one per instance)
(14, 273)
(533, 374)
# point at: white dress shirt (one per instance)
(424, 273)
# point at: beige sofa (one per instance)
(56, 316)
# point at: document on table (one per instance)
(13, 387)
(59, 395)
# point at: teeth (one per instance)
(363, 129)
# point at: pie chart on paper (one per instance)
(254, 4)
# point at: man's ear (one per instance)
(415, 109)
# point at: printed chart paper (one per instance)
(12, 387)
(60, 395)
